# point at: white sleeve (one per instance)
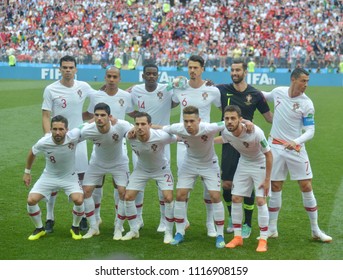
(47, 100)
(91, 105)
(306, 136)
(268, 95)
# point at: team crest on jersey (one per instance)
(121, 102)
(79, 92)
(204, 138)
(296, 106)
(246, 144)
(248, 99)
(204, 95)
(71, 146)
(160, 94)
(154, 147)
(115, 137)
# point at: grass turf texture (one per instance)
(20, 117)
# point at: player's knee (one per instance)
(31, 201)
(87, 191)
(182, 195)
(226, 185)
(129, 196)
(168, 199)
(276, 186)
(237, 199)
(215, 196)
(305, 185)
(260, 201)
(77, 199)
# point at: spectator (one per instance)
(118, 62)
(191, 25)
(132, 64)
(11, 58)
(272, 67)
(251, 66)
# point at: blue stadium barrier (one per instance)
(96, 73)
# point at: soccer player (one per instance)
(156, 100)
(59, 173)
(120, 103)
(253, 172)
(66, 97)
(293, 125)
(107, 157)
(248, 99)
(198, 94)
(200, 160)
(149, 146)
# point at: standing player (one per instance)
(120, 103)
(248, 99)
(149, 145)
(198, 94)
(293, 125)
(59, 173)
(156, 100)
(200, 160)
(66, 97)
(255, 158)
(107, 157)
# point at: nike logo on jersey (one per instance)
(49, 153)
(229, 94)
(139, 96)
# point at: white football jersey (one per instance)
(120, 103)
(59, 159)
(156, 103)
(151, 154)
(108, 147)
(65, 101)
(202, 98)
(251, 146)
(200, 147)
(291, 115)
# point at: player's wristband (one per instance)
(27, 171)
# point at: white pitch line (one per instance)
(335, 225)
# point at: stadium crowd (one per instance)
(285, 33)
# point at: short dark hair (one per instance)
(197, 58)
(142, 114)
(233, 108)
(150, 66)
(299, 71)
(240, 60)
(103, 106)
(189, 110)
(112, 68)
(68, 58)
(59, 118)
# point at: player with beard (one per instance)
(253, 173)
(59, 149)
(248, 99)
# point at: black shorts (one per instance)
(229, 162)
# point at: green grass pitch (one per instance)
(20, 117)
